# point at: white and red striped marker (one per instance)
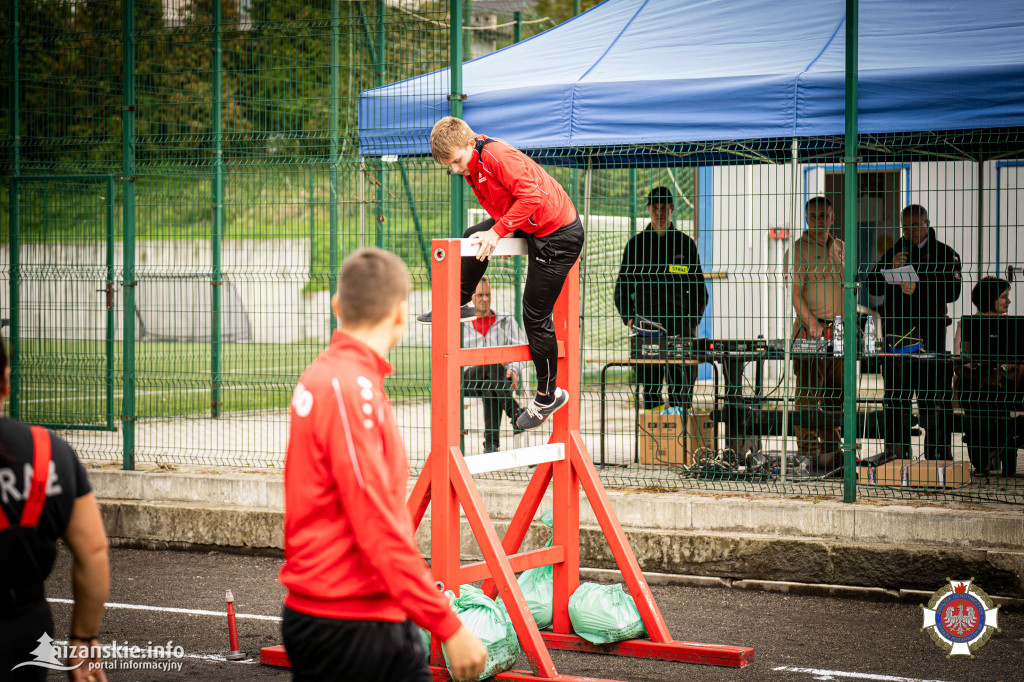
(235, 653)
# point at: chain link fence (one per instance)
(182, 180)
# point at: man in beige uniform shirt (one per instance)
(814, 267)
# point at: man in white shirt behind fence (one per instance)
(496, 384)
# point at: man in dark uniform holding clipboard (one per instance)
(914, 321)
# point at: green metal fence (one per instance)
(182, 180)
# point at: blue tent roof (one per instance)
(659, 72)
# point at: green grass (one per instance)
(64, 382)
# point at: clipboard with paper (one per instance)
(900, 275)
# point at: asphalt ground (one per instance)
(795, 637)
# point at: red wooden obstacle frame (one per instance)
(446, 485)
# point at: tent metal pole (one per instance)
(850, 338)
(794, 222)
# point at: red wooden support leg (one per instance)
(686, 652)
(419, 498)
(501, 570)
(657, 630)
(523, 517)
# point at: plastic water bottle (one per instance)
(869, 336)
(837, 336)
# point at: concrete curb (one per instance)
(735, 538)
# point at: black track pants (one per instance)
(549, 261)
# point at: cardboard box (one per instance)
(664, 441)
(925, 473)
(890, 473)
(918, 473)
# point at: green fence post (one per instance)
(312, 224)
(631, 184)
(217, 236)
(381, 79)
(14, 340)
(110, 302)
(332, 273)
(517, 261)
(128, 229)
(850, 276)
(458, 208)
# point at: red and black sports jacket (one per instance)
(515, 191)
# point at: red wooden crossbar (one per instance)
(521, 561)
(446, 485)
(493, 355)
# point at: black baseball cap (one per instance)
(660, 195)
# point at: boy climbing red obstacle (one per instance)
(524, 202)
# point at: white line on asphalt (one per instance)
(833, 674)
(218, 658)
(168, 609)
(209, 658)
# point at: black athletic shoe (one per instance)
(536, 414)
(467, 313)
(515, 420)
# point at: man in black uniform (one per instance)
(45, 495)
(660, 279)
(916, 312)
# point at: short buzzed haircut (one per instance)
(447, 136)
(817, 202)
(371, 283)
(914, 210)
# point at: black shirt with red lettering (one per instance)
(26, 562)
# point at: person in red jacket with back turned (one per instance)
(525, 202)
(356, 581)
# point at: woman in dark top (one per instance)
(988, 391)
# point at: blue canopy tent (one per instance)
(676, 82)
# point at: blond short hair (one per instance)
(371, 283)
(448, 135)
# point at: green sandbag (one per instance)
(491, 624)
(602, 614)
(538, 586)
